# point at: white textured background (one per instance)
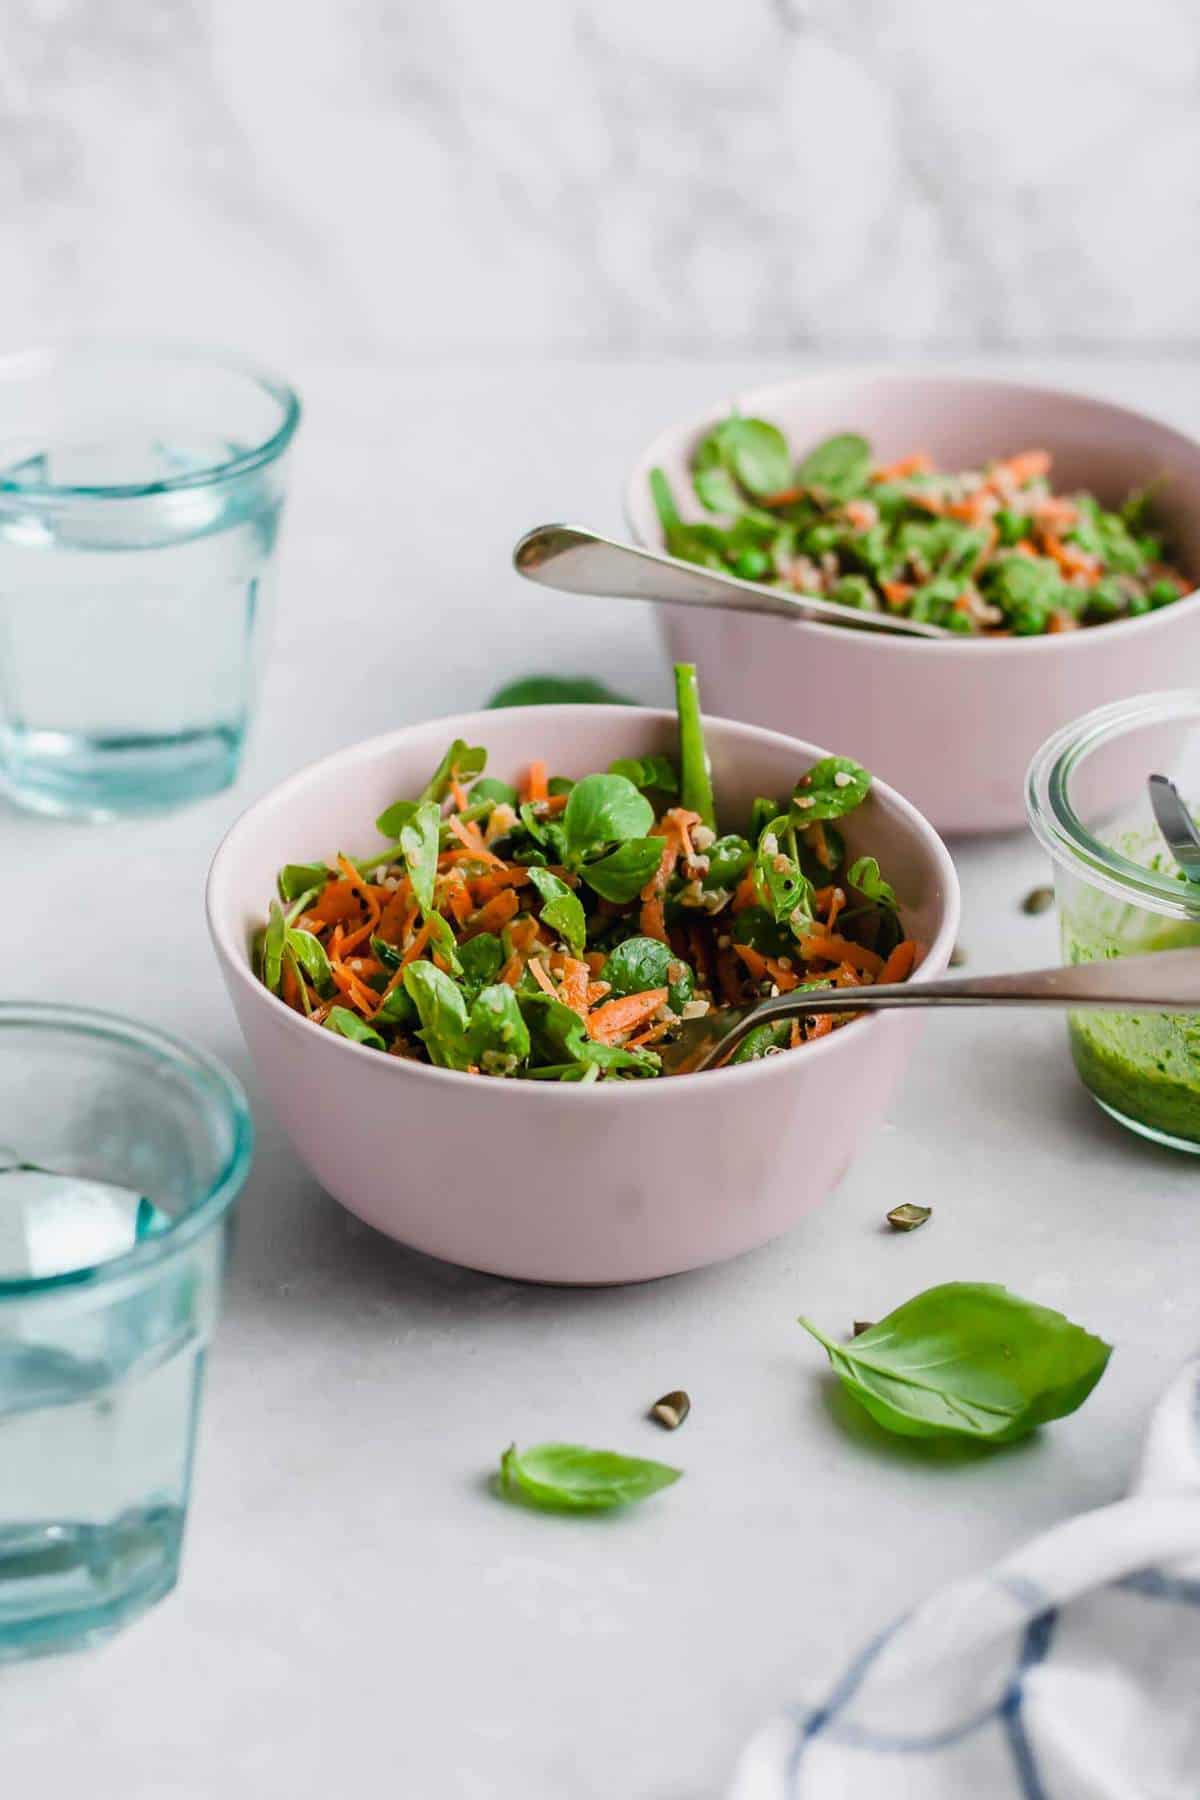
(384, 177)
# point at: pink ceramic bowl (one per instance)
(954, 725)
(612, 1182)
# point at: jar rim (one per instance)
(1062, 833)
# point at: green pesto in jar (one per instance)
(1144, 1066)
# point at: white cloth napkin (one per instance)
(1069, 1671)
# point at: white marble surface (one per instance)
(387, 176)
(358, 1615)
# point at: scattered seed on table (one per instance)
(861, 1325)
(1037, 900)
(907, 1217)
(672, 1409)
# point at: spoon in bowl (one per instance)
(1176, 824)
(578, 561)
(1166, 981)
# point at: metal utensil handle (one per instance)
(1166, 981)
(578, 561)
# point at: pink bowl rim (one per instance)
(760, 398)
(233, 956)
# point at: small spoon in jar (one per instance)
(578, 561)
(1165, 981)
(1176, 824)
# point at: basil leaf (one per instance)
(623, 873)
(605, 809)
(420, 844)
(637, 965)
(295, 879)
(655, 773)
(442, 1012)
(497, 1035)
(783, 887)
(969, 1359)
(488, 788)
(837, 469)
(833, 787)
(309, 952)
(480, 960)
(349, 1025)
(571, 1478)
(758, 455)
(273, 947)
(557, 690)
(864, 875)
(561, 909)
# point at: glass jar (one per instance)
(1120, 893)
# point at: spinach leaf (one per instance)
(394, 818)
(756, 1043)
(295, 879)
(837, 469)
(442, 1012)
(728, 860)
(695, 784)
(488, 788)
(349, 1025)
(757, 453)
(559, 1042)
(443, 942)
(623, 873)
(1027, 589)
(637, 965)
(274, 942)
(605, 809)
(309, 952)
(783, 887)
(420, 843)
(833, 787)
(556, 690)
(761, 814)
(395, 1009)
(480, 959)
(716, 490)
(968, 1359)
(462, 761)
(865, 876)
(559, 784)
(755, 926)
(561, 909)
(570, 1478)
(497, 1035)
(650, 773)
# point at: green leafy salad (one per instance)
(991, 552)
(566, 930)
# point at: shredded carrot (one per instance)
(899, 964)
(534, 786)
(897, 593)
(575, 985)
(828, 947)
(919, 463)
(653, 919)
(499, 910)
(821, 1027)
(615, 1018)
(596, 990)
(471, 838)
(337, 900)
(745, 894)
(458, 794)
(767, 968)
(538, 971)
